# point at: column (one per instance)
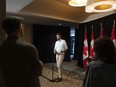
(2, 33)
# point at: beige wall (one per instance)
(28, 35)
(2, 16)
(2, 34)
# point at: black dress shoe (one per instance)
(58, 79)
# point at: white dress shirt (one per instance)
(60, 46)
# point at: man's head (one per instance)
(58, 36)
(105, 49)
(13, 24)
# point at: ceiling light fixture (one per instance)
(100, 5)
(77, 3)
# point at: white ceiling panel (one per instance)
(51, 12)
(16, 5)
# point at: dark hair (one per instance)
(59, 34)
(105, 50)
(11, 24)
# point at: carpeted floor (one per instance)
(70, 79)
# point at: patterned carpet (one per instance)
(70, 78)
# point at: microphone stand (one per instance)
(52, 56)
(52, 80)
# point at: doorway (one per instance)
(72, 43)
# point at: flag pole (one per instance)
(92, 28)
(91, 45)
(85, 50)
(101, 32)
(85, 29)
(114, 24)
(101, 26)
(113, 34)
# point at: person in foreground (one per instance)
(19, 60)
(60, 49)
(102, 71)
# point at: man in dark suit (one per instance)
(19, 60)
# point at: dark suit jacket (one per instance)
(100, 74)
(20, 63)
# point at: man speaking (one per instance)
(60, 49)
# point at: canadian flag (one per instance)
(85, 51)
(113, 35)
(91, 54)
(101, 32)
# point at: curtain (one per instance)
(107, 23)
(44, 37)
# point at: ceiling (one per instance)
(53, 12)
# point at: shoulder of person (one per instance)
(63, 40)
(28, 45)
(90, 64)
(95, 64)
